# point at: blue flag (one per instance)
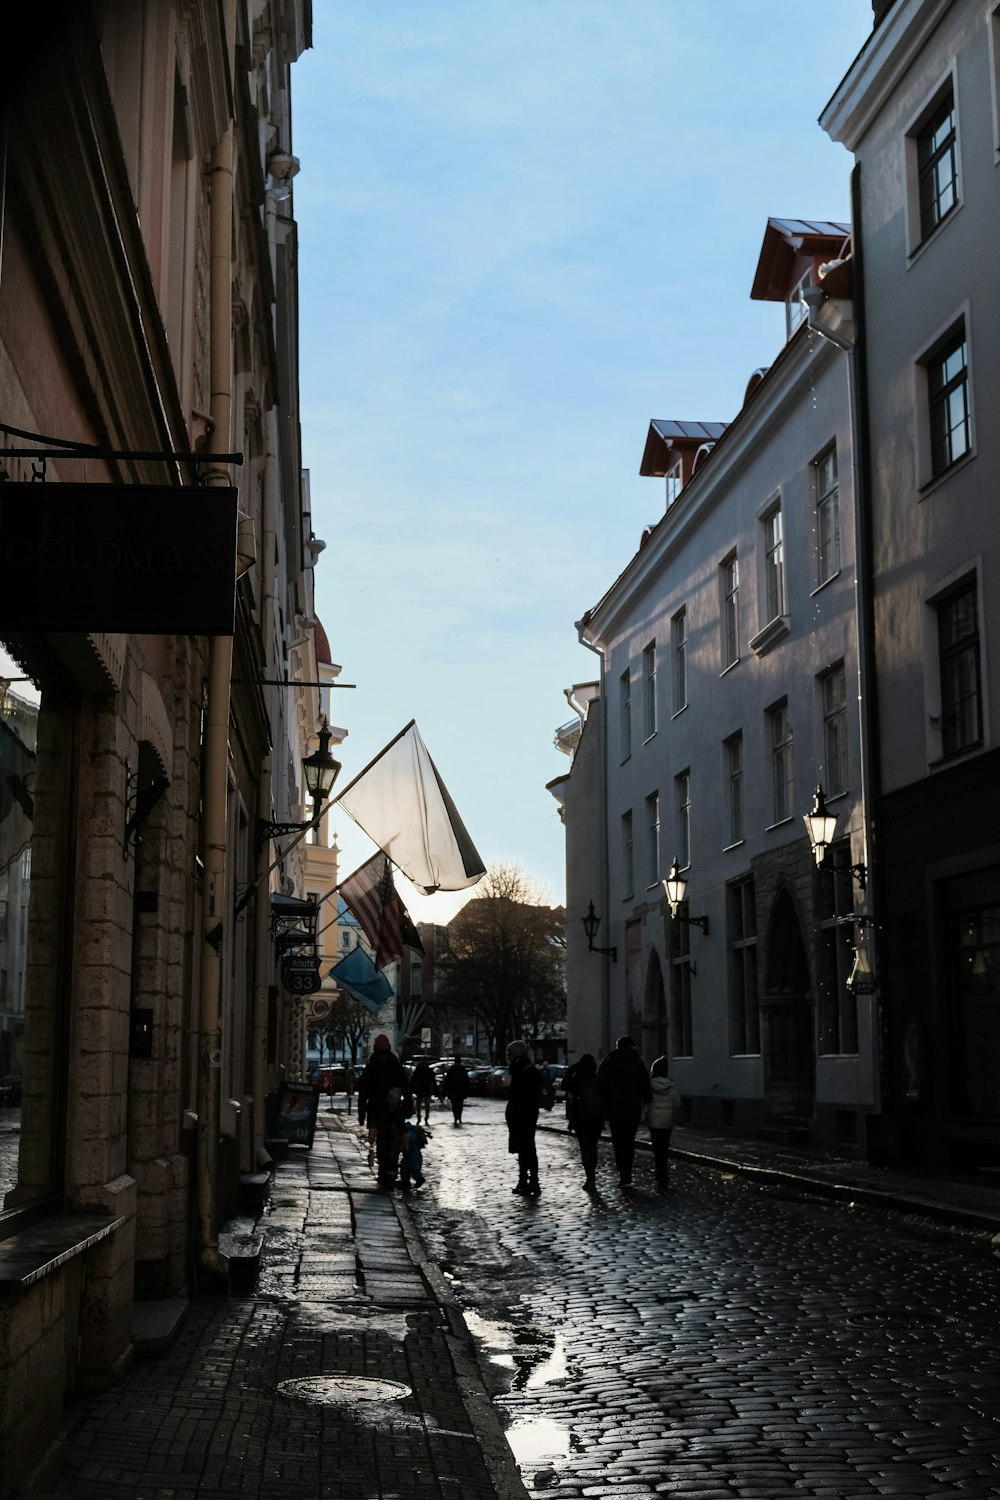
(356, 974)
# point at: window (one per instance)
(774, 565)
(649, 679)
(827, 515)
(625, 714)
(734, 770)
(834, 685)
(961, 681)
(782, 762)
(673, 484)
(681, 1021)
(653, 838)
(682, 786)
(678, 638)
(937, 164)
(795, 308)
(744, 1011)
(836, 1007)
(628, 868)
(729, 589)
(949, 411)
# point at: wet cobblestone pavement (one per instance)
(723, 1340)
(345, 1377)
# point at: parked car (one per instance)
(334, 1080)
(557, 1074)
(497, 1081)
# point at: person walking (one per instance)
(383, 1097)
(661, 1113)
(585, 1106)
(625, 1088)
(422, 1084)
(524, 1099)
(455, 1089)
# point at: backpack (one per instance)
(588, 1104)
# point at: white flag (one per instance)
(401, 802)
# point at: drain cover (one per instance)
(343, 1390)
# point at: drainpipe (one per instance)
(262, 933)
(603, 854)
(215, 916)
(814, 297)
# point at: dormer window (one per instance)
(674, 484)
(795, 308)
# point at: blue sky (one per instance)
(526, 227)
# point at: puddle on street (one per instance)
(494, 1337)
(534, 1440)
(551, 1369)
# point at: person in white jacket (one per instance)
(661, 1112)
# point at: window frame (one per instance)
(625, 715)
(652, 840)
(922, 228)
(682, 795)
(628, 856)
(835, 725)
(735, 782)
(957, 330)
(782, 753)
(729, 609)
(649, 691)
(826, 506)
(743, 972)
(678, 645)
(964, 646)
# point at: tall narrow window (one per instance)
(836, 1010)
(835, 729)
(625, 714)
(673, 484)
(678, 638)
(649, 679)
(949, 410)
(628, 863)
(682, 785)
(729, 588)
(744, 1011)
(961, 670)
(681, 1020)
(774, 564)
(734, 771)
(937, 165)
(782, 762)
(827, 515)
(653, 838)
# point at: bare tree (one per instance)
(505, 959)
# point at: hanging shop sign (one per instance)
(300, 974)
(145, 559)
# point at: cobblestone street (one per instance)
(723, 1340)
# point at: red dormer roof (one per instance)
(786, 243)
(323, 657)
(668, 441)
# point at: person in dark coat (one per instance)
(456, 1088)
(384, 1101)
(422, 1084)
(625, 1088)
(583, 1090)
(523, 1101)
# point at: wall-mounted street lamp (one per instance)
(320, 771)
(591, 922)
(675, 886)
(821, 825)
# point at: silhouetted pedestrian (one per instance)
(663, 1110)
(383, 1100)
(583, 1096)
(422, 1084)
(523, 1101)
(625, 1088)
(456, 1089)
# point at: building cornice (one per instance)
(886, 57)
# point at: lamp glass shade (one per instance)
(591, 922)
(821, 825)
(675, 887)
(320, 769)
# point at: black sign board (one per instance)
(295, 1116)
(300, 974)
(149, 559)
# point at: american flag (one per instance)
(371, 896)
